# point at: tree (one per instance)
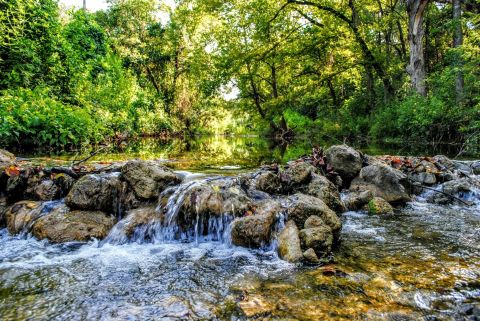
(457, 43)
(416, 31)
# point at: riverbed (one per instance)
(420, 263)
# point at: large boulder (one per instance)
(383, 181)
(322, 188)
(148, 178)
(302, 206)
(95, 192)
(345, 160)
(20, 215)
(63, 225)
(289, 243)
(320, 239)
(213, 199)
(6, 159)
(255, 230)
(268, 182)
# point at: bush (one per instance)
(32, 118)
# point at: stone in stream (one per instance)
(148, 178)
(95, 192)
(46, 190)
(289, 243)
(357, 199)
(458, 188)
(268, 182)
(345, 160)
(310, 256)
(379, 206)
(62, 225)
(318, 238)
(255, 230)
(383, 181)
(303, 206)
(140, 217)
(214, 198)
(298, 173)
(322, 188)
(21, 214)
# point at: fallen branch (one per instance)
(76, 163)
(418, 184)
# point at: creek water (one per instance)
(421, 263)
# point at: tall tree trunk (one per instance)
(458, 42)
(416, 67)
(84, 4)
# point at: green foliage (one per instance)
(32, 118)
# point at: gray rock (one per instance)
(268, 182)
(256, 230)
(20, 215)
(383, 181)
(46, 191)
(310, 256)
(475, 166)
(95, 192)
(289, 243)
(356, 200)
(318, 238)
(345, 160)
(148, 178)
(322, 188)
(303, 206)
(62, 225)
(444, 163)
(298, 173)
(424, 178)
(459, 187)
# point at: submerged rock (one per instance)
(289, 243)
(303, 206)
(63, 225)
(255, 230)
(21, 214)
(148, 178)
(95, 192)
(322, 188)
(379, 206)
(345, 160)
(318, 238)
(383, 181)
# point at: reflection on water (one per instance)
(214, 153)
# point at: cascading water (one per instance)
(163, 224)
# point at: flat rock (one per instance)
(62, 225)
(148, 178)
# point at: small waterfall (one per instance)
(167, 223)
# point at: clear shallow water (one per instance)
(221, 154)
(422, 263)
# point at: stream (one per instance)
(421, 263)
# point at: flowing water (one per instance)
(421, 263)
